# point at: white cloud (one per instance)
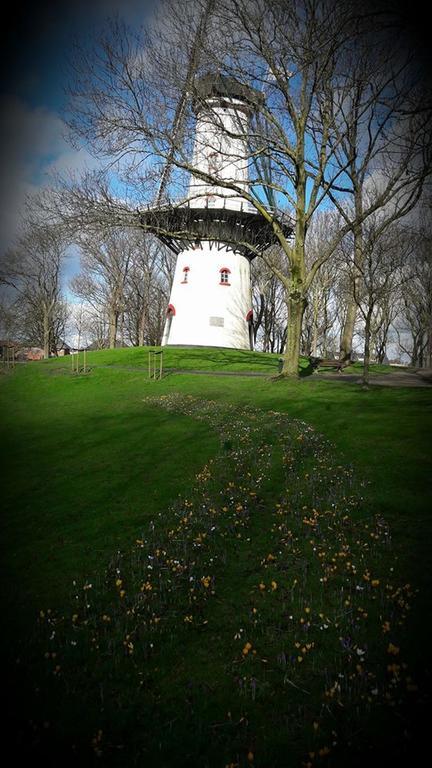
(32, 146)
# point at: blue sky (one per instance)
(35, 49)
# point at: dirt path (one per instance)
(395, 379)
(421, 378)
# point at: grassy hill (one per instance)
(197, 358)
(108, 473)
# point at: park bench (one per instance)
(339, 365)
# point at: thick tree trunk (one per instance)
(295, 286)
(113, 321)
(366, 361)
(347, 334)
(266, 342)
(414, 353)
(141, 331)
(296, 306)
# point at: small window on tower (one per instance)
(224, 276)
(186, 271)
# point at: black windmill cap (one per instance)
(215, 84)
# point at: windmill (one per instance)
(217, 232)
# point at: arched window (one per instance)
(169, 318)
(186, 271)
(224, 276)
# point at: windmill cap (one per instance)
(214, 84)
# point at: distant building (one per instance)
(63, 349)
(29, 353)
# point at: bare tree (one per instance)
(318, 338)
(320, 318)
(378, 277)
(416, 300)
(32, 270)
(105, 259)
(270, 313)
(382, 322)
(381, 143)
(11, 325)
(80, 325)
(147, 291)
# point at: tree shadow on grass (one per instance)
(219, 358)
(306, 369)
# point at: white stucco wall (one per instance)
(206, 312)
(218, 153)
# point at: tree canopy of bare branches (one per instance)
(123, 278)
(32, 273)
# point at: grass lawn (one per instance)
(102, 471)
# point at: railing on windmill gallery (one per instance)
(237, 226)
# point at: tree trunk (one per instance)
(314, 342)
(282, 341)
(296, 304)
(141, 330)
(347, 335)
(46, 334)
(315, 329)
(258, 321)
(143, 324)
(295, 286)
(414, 353)
(366, 361)
(266, 341)
(325, 327)
(428, 353)
(113, 321)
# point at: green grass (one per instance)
(84, 466)
(89, 465)
(200, 358)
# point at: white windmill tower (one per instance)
(210, 302)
